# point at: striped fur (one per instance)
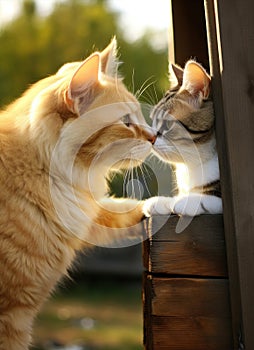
(184, 120)
(57, 143)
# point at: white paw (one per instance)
(189, 206)
(197, 204)
(158, 206)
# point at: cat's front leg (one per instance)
(190, 205)
(159, 206)
(12, 336)
(117, 219)
(196, 204)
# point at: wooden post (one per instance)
(231, 38)
(188, 32)
(186, 294)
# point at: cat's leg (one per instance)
(124, 212)
(117, 219)
(14, 335)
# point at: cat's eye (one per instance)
(127, 120)
(169, 94)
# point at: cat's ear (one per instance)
(109, 63)
(82, 82)
(175, 75)
(196, 80)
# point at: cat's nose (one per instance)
(150, 134)
(152, 138)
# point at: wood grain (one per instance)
(187, 314)
(181, 311)
(185, 297)
(198, 251)
(189, 28)
(193, 333)
(231, 30)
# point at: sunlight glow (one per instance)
(135, 17)
(138, 16)
(182, 176)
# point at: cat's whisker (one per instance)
(144, 87)
(139, 184)
(137, 93)
(145, 90)
(147, 171)
(133, 81)
(156, 95)
(144, 179)
(146, 99)
(150, 98)
(126, 181)
(132, 183)
(135, 177)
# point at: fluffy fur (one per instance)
(57, 145)
(184, 120)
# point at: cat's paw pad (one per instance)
(158, 206)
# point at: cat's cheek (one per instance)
(145, 149)
(160, 148)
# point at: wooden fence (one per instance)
(198, 291)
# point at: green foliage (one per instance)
(33, 47)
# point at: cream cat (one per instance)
(57, 145)
(184, 121)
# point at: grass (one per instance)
(98, 314)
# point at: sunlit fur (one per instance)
(48, 212)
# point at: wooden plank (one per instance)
(198, 251)
(193, 333)
(232, 57)
(185, 297)
(147, 311)
(205, 227)
(187, 314)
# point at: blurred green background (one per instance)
(103, 311)
(34, 46)
(98, 313)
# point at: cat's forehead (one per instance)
(170, 93)
(173, 104)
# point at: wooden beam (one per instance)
(231, 33)
(188, 33)
(199, 252)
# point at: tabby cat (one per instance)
(57, 144)
(184, 120)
